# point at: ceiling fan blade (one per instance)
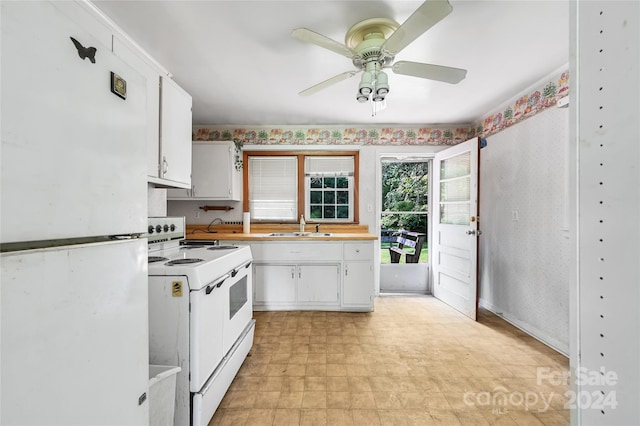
(426, 16)
(430, 71)
(308, 36)
(333, 80)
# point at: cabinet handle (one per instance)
(165, 166)
(346, 270)
(299, 273)
(193, 190)
(292, 272)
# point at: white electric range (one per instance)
(200, 315)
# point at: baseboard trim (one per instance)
(553, 343)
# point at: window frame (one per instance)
(302, 190)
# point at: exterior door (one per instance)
(455, 226)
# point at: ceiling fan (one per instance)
(372, 45)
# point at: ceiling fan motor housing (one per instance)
(369, 51)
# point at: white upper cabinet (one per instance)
(213, 175)
(175, 135)
(151, 72)
(168, 119)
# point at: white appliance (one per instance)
(73, 208)
(200, 315)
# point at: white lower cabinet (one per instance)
(357, 283)
(310, 275)
(296, 285)
(319, 284)
(274, 284)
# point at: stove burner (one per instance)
(152, 259)
(222, 247)
(183, 261)
(190, 247)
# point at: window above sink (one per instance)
(282, 185)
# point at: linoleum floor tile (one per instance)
(412, 361)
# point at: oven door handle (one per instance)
(217, 283)
(235, 271)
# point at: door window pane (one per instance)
(455, 214)
(455, 189)
(457, 166)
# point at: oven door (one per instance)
(238, 309)
(206, 329)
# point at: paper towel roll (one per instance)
(246, 223)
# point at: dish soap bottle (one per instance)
(302, 223)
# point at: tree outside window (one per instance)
(404, 201)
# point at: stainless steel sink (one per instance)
(300, 234)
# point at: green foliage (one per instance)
(237, 157)
(405, 189)
(404, 206)
(299, 135)
(263, 135)
(336, 134)
(226, 135)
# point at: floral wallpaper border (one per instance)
(522, 108)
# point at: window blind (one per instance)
(329, 166)
(273, 188)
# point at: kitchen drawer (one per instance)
(296, 251)
(358, 251)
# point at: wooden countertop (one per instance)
(260, 232)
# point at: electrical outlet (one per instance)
(197, 214)
(369, 207)
(514, 215)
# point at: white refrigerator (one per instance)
(74, 310)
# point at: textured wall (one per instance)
(524, 248)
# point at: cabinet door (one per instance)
(274, 284)
(175, 133)
(135, 59)
(318, 283)
(357, 286)
(211, 175)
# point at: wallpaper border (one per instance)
(527, 105)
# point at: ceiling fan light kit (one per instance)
(372, 45)
(366, 84)
(382, 84)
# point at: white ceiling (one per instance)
(240, 64)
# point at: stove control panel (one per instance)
(165, 229)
